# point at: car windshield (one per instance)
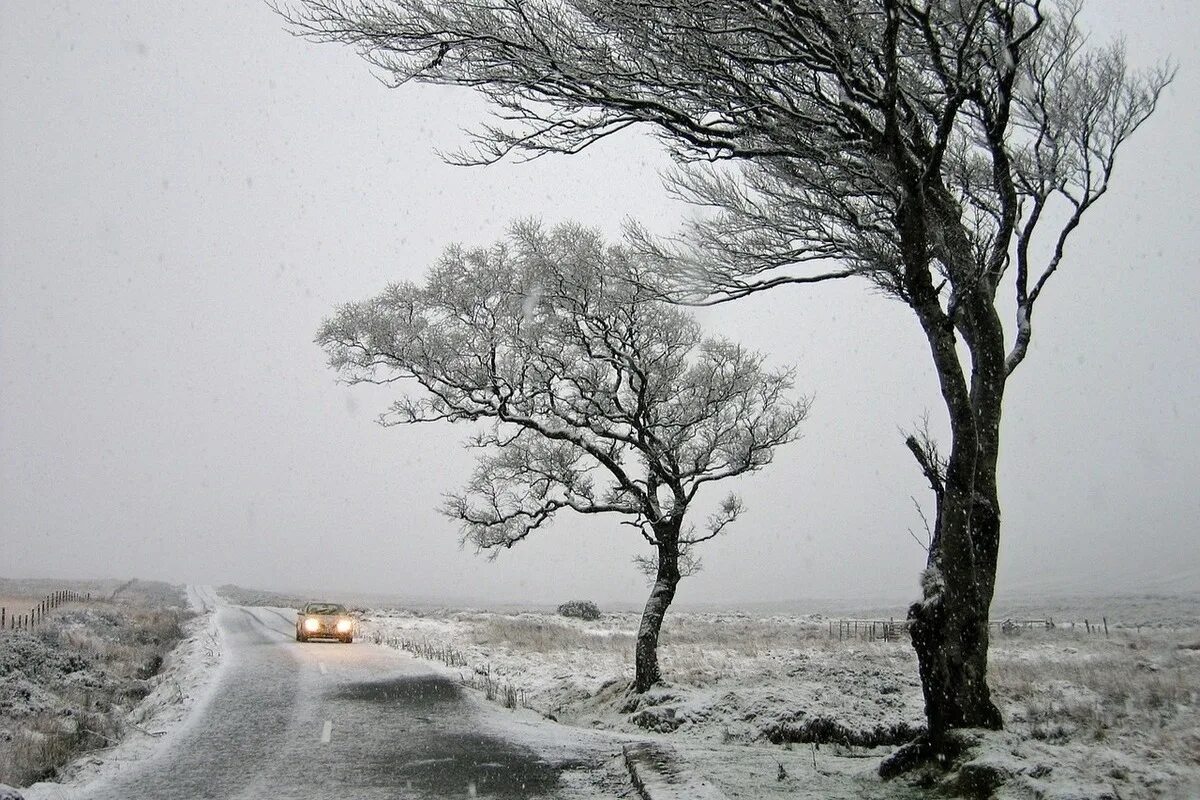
(324, 608)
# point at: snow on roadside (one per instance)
(185, 680)
(1086, 716)
(1008, 765)
(577, 672)
(803, 688)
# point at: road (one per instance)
(290, 720)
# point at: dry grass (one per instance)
(43, 743)
(1079, 708)
(67, 687)
(19, 602)
(694, 649)
(15, 604)
(1140, 691)
(740, 634)
(540, 633)
(561, 662)
(682, 634)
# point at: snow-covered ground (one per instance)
(187, 673)
(772, 706)
(766, 705)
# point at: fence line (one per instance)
(480, 678)
(37, 615)
(1009, 625)
(892, 629)
(868, 629)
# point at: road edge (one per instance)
(658, 773)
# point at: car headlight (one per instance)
(344, 626)
(312, 624)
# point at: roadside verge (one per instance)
(185, 680)
(656, 771)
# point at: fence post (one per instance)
(1105, 627)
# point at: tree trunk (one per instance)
(950, 629)
(950, 624)
(666, 579)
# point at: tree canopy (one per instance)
(603, 399)
(609, 399)
(995, 116)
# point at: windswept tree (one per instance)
(943, 150)
(602, 399)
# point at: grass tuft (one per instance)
(67, 688)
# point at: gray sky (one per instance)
(184, 195)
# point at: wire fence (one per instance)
(36, 616)
(890, 630)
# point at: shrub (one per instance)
(583, 609)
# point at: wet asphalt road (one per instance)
(330, 720)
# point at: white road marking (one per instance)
(327, 732)
(324, 671)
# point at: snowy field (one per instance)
(772, 705)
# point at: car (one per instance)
(324, 621)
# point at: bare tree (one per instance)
(942, 150)
(602, 398)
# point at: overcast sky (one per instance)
(186, 190)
